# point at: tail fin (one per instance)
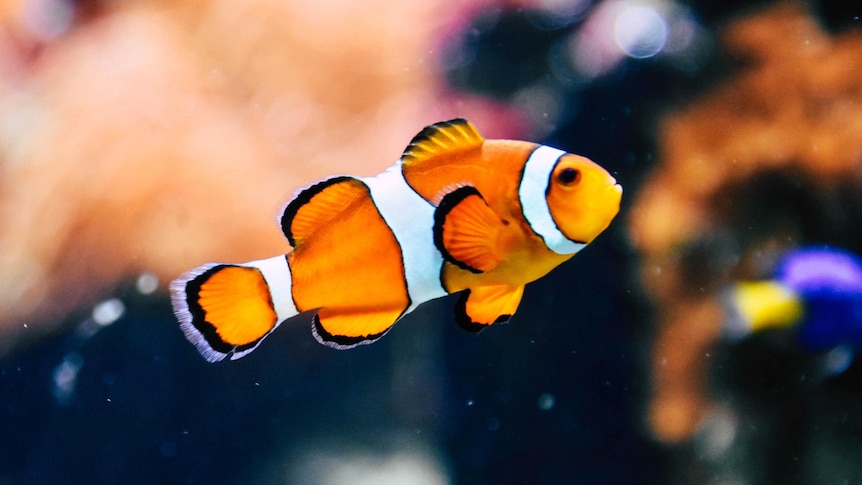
(227, 309)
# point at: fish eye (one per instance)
(568, 176)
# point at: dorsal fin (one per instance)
(451, 136)
(315, 206)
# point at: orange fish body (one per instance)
(456, 213)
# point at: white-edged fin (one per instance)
(340, 342)
(228, 309)
(179, 301)
(534, 203)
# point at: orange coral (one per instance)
(788, 122)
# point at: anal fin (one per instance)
(480, 307)
(345, 330)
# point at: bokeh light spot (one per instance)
(108, 311)
(546, 401)
(147, 283)
(640, 32)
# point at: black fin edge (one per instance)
(429, 131)
(447, 203)
(464, 321)
(339, 341)
(302, 198)
(198, 320)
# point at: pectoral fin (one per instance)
(466, 230)
(483, 306)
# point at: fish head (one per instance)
(583, 197)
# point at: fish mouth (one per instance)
(616, 190)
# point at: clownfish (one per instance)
(456, 213)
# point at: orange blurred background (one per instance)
(154, 136)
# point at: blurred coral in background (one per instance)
(155, 135)
(769, 160)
